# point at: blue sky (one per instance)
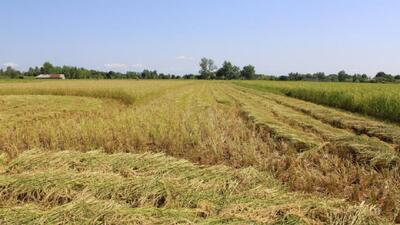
(277, 36)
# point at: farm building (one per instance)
(51, 76)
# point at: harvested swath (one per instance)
(139, 180)
(188, 123)
(386, 132)
(2, 161)
(126, 92)
(360, 149)
(91, 211)
(88, 210)
(83, 185)
(358, 168)
(16, 110)
(260, 113)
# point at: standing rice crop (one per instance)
(377, 100)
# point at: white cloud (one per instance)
(137, 65)
(123, 66)
(13, 65)
(116, 66)
(183, 57)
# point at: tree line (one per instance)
(228, 71)
(341, 76)
(72, 72)
(208, 71)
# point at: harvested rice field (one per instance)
(193, 152)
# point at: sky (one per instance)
(171, 36)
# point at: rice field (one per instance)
(375, 100)
(190, 152)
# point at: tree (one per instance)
(47, 68)
(283, 78)
(343, 76)
(30, 72)
(228, 71)
(147, 74)
(110, 75)
(207, 68)
(11, 72)
(190, 76)
(294, 76)
(364, 77)
(319, 76)
(383, 77)
(132, 75)
(248, 72)
(332, 77)
(380, 75)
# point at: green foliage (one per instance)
(147, 74)
(72, 72)
(207, 69)
(248, 72)
(228, 71)
(48, 68)
(383, 77)
(343, 76)
(10, 72)
(358, 78)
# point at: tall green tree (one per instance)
(32, 71)
(47, 68)
(319, 76)
(147, 74)
(228, 71)
(382, 77)
(207, 68)
(343, 76)
(248, 72)
(360, 78)
(11, 72)
(295, 76)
